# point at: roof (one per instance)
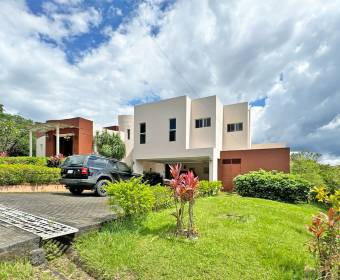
(45, 127)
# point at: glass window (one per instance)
(172, 135)
(128, 133)
(97, 162)
(74, 160)
(142, 133)
(231, 127)
(123, 167)
(172, 132)
(142, 138)
(206, 122)
(113, 165)
(172, 123)
(142, 127)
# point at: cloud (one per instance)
(235, 49)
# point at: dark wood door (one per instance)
(230, 169)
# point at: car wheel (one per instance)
(100, 191)
(76, 190)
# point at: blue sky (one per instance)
(97, 59)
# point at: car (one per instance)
(92, 172)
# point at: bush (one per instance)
(15, 174)
(153, 178)
(133, 196)
(273, 185)
(163, 197)
(206, 188)
(42, 161)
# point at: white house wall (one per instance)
(236, 113)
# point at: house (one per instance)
(66, 137)
(212, 139)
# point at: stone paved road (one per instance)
(84, 211)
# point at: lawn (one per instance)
(240, 238)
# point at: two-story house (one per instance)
(212, 139)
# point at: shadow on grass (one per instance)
(165, 231)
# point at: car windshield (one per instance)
(74, 161)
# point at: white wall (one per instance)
(236, 113)
(41, 146)
(126, 122)
(156, 116)
(203, 137)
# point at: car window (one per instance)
(97, 162)
(113, 165)
(123, 167)
(74, 160)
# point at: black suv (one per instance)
(92, 172)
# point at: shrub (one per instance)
(206, 188)
(24, 160)
(133, 196)
(273, 185)
(163, 197)
(153, 178)
(14, 174)
(110, 145)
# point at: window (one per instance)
(206, 122)
(97, 162)
(231, 161)
(172, 131)
(142, 133)
(123, 167)
(128, 133)
(113, 165)
(231, 127)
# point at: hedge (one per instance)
(163, 197)
(16, 174)
(209, 188)
(273, 185)
(41, 161)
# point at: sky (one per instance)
(97, 59)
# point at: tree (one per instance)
(110, 145)
(14, 134)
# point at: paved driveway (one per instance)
(83, 212)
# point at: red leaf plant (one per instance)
(325, 243)
(184, 188)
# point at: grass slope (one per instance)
(240, 238)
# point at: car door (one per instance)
(124, 171)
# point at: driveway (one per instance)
(83, 212)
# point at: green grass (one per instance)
(22, 270)
(239, 238)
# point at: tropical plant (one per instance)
(55, 161)
(110, 145)
(325, 243)
(184, 188)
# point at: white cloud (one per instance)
(235, 49)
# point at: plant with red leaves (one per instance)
(3, 154)
(325, 244)
(184, 188)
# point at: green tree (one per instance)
(110, 145)
(14, 134)
(307, 165)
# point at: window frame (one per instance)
(203, 122)
(235, 127)
(142, 135)
(172, 130)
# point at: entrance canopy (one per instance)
(46, 127)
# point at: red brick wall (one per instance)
(82, 139)
(267, 159)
